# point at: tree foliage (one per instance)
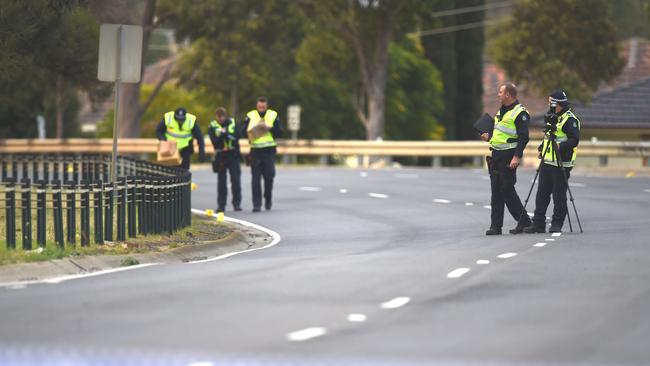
(551, 44)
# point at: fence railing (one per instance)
(70, 200)
(323, 147)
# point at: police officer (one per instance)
(262, 126)
(564, 127)
(182, 127)
(507, 143)
(225, 140)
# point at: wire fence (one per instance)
(70, 200)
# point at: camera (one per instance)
(551, 118)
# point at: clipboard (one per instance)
(485, 124)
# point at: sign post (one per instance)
(120, 60)
(293, 124)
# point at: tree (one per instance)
(552, 44)
(631, 17)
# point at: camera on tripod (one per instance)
(551, 118)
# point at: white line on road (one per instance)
(469, 204)
(646, 190)
(363, 174)
(273, 234)
(357, 318)
(310, 189)
(378, 195)
(458, 272)
(441, 200)
(201, 363)
(343, 190)
(576, 184)
(556, 234)
(539, 245)
(506, 255)
(549, 239)
(488, 207)
(306, 334)
(482, 261)
(395, 303)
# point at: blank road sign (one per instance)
(293, 120)
(128, 46)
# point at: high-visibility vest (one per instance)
(228, 144)
(560, 136)
(181, 133)
(267, 139)
(505, 129)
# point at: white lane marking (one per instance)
(506, 255)
(556, 234)
(310, 189)
(469, 204)
(343, 190)
(458, 272)
(54, 280)
(549, 239)
(201, 363)
(276, 238)
(646, 190)
(363, 174)
(306, 334)
(395, 303)
(530, 214)
(378, 195)
(539, 245)
(357, 318)
(482, 261)
(407, 176)
(488, 207)
(441, 200)
(576, 184)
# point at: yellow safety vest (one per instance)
(228, 144)
(560, 136)
(267, 139)
(182, 134)
(505, 129)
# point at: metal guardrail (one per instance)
(147, 198)
(322, 147)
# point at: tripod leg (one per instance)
(566, 180)
(541, 161)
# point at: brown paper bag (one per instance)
(168, 153)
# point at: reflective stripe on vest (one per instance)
(228, 144)
(254, 118)
(560, 136)
(182, 134)
(505, 129)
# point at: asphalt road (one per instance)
(374, 267)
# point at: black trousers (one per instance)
(262, 167)
(551, 183)
(228, 164)
(502, 182)
(186, 156)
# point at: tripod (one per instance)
(556, 158)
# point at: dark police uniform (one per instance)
(509, 138)
(225, 140)
(262, 155)
(182, 131)
(551, 179)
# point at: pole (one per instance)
(118, 57)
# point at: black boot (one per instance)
(534, 229)
(521, 226)
(493, 231)
(555, 228)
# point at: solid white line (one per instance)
(556, 234)
(482, 261)
(378, 195)
(306, 334)
(549, 239)
(440, 200)
(357, 318)
(458, 272)
(310, 189)
(273, 234)
(343, 190)
(506, 255)
(488, 207)
(395, 303)
(469, 204)
(539, 245)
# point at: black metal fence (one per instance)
(69, 199)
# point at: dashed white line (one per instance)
(363, 174)
(458, 272)
(482, 261)
(469, 204)
(310, 189)
(306, 334)
(343, 190)
(201, 363)
(539, 245)
(506, 255)
(357, 318)
(440, 200)
(378, 195)
(549, 239)
(646, 190)
(395, 303)
(556, 234)
(530, 214)
(488, 207)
